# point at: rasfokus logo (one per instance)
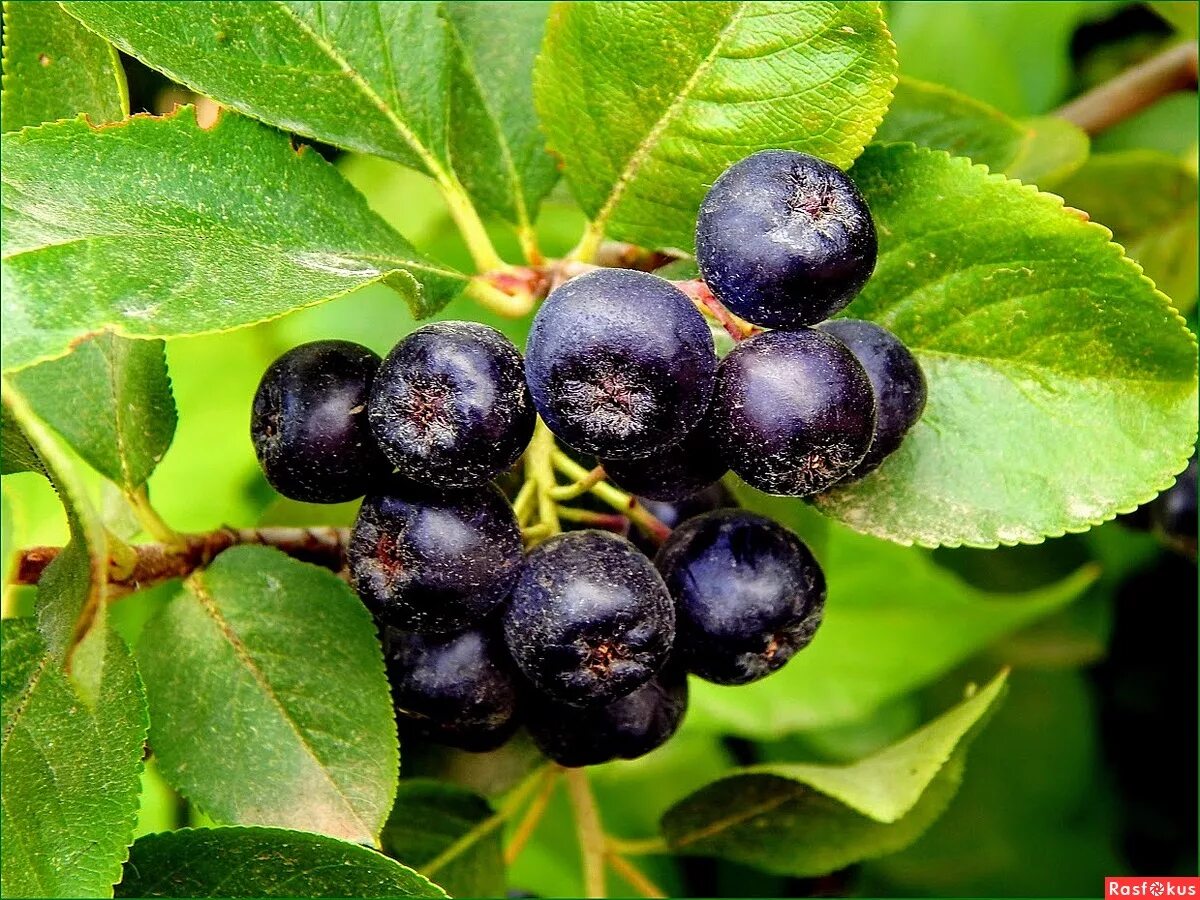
(1145, 886)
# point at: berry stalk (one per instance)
(590, 831)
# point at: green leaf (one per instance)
(895, 621)
(1062, 385)
(111, 400)
(156, 228)
(498, 150)
(647, 103)
(428, 817)
(1179, 14)
(54, 68)
(1148, 199)
(930, 115)
(806, 819)
(268, 700)
(263, 862)
(71, 771)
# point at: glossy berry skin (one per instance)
(748, 592)
(896, 378)
(620, 363)
(785, 239)
(675, 472)
(449, 406)
(589, 619)
(308, 423)
(457, 690)
(794, 411)
(434, 562)
(627, 728)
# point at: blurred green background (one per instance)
(1090, 766)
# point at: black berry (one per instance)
(675, 472)
(794, 411)
(784, 239)
(627, 728)
(309, 425)
(456, 690)
(1173, 512)
(449, 406)
(896, 378)
(589, 619)
(749, 594)
(620, 363)
(434, 562)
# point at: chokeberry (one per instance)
(589, 619)
(449, 406)
(675, 472)
(456, 690)
(309, 426)
(896, 378)
(436, 562)
(1173, 512)
(794, 411)
(785, 239)
(629, 727)
(620, 363)
(748, 594)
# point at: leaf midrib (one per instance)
(209, 605)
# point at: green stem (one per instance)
(622, 502)
(540, 470)
(580, 487)
(638, 846)
(529, 245)
(589, 244)
(512, 804)
(511, 306)
(470, 226)
(152, 523)
(635, 876)
(590, 832)
(533, 815)
(523, 504)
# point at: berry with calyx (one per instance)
(794, 411)
(676, 472)
(456, 690)
(627, 728)
(449, 406)
(309, 426)
(620, 363)
(434, 562)
(784, 239)
(748, 594)
(896, 378)
(589, 619)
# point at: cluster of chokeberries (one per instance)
(581, 638)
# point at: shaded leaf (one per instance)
(1053, 150)
(54, 68)
(498, 149)
(427, 818)
(263, 862)
(895, 621)
(71, 769)
(110, 398)
(1148, 199)
(808, 819)
(1062, 385)
(157, 227)
(269, 704)
(647, 103)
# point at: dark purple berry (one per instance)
(748, 594)
(1173, 512)
(620, 363)
(309, 424)
(784, 239)
(794, 411)
(434, 562)
(627, 728)
(456, 690)
(449, 406)
(589, 619)
(675, 472)
(896, 378)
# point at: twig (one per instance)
(533, 815)
(624, 503)
(738, 329)
(635, 876)
(608, 521)
(591, 833)
(580, 487)
(153, 563)
(1133, 90)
